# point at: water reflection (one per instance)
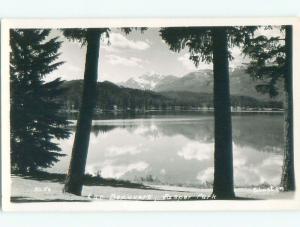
(179, 149)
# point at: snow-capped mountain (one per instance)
(147, 81)
(200, 81)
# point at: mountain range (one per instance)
(148, 81)
(111, 96)
(200, 81)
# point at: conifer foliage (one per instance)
(35, 119)
(272, 62)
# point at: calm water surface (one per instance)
(178, 149)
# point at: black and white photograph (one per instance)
(170, 113)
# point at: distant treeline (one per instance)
(113, 97)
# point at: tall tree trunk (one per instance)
(288, 176)
(74, 181)
(223, 187)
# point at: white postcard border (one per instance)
(224, 205)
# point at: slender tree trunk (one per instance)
(288, 176)
(223, 187)
(74, 181)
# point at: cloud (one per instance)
(117, 60)
(275, 160)
(206, 175)
(141, 130)
(238, 60)
(198, 151)
(251, 167)
(163, 171)
(119, 41)
(247, 175)
(150, 130)
(256, 167)
(117, 171)
(117, 151)
(185, 60)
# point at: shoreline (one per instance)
(32, 190)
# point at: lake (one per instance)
(178, 149)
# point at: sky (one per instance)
(129, 56)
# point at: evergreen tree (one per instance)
(272, 63)
(211, 44)
(91, 38)
(34, 112)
